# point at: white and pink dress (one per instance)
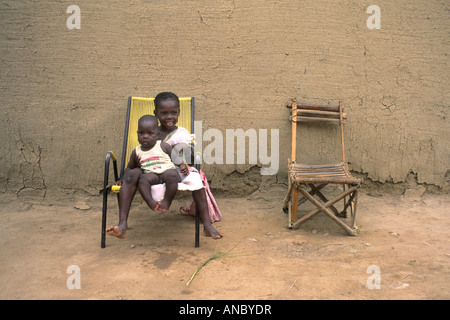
(194, 181)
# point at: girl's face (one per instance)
(147, 134)
(167, 113)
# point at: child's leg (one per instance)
(145, 188)
(126, 195)
(201, 204)
(171, 179)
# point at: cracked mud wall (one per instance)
(64, 92)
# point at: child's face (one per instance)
(167, 113)
(147, 134)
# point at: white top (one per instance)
(181, 135)
(193, 181)
(154, 160)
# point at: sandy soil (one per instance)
(406, 237)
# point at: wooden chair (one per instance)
(137, 107)
(317, 176)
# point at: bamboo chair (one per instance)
(138, 107)
(315, 176)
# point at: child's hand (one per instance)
(184, 169)
(118, 182)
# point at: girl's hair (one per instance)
(165, 96)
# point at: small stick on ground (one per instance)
(213, 257)
(293, 283)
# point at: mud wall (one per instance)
(64, 91)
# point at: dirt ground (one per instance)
(404, 236)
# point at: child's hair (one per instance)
(149, 117)
(165, 96)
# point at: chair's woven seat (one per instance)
(328, 173)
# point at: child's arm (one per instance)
(133, 163)
(182, 150)
(174, 154)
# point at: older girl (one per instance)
(167, 110)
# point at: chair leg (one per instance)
(109, 155)
(328, 212)
(355, 202)
(197, 228)
(315, 211)
(343, 213)
(105, 204)
(293, 216)
(349, 203)
(315, 190)
(287, 198)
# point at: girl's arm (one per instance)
(176, 156)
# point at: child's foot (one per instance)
(210, 231)
(163, 206)
(153, 205)
(114, 231)
(186, 211)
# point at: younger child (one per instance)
(153, 157)
(149, 164)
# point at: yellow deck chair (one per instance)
(316, 176)
(137, 107)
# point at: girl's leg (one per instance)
(145, 188)
(201, 205)
(171, 179)
(126, 195)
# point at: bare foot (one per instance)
(163, 206)
(186, 211)
(153, 205)
(114, 231)
(210, 231)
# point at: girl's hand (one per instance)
(184, 169)
(118, 182)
